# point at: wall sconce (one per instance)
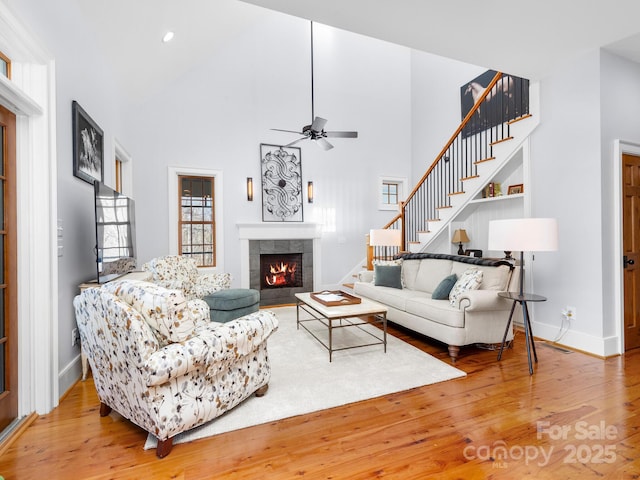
(249, 189)
(310, 192)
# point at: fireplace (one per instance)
(280, 268)
(277, 238)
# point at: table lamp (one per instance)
(385, 237)
(460, 236)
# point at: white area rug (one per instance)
(303, 380)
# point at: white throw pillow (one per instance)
(469, 280)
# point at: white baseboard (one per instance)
(603, 347)
(70, 374)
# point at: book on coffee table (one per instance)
(333, 298)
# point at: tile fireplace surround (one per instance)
(277, 231)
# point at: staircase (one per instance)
(476, 152)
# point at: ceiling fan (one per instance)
(316, 132)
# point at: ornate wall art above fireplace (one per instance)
(281, 183)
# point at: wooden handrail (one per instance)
(456, 162)
(454, 136)
(393, 220)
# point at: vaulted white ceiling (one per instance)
(524, 38)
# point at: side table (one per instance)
(522, 299)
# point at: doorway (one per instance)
(631, 249)
(8, 271)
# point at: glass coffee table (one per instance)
(343, 316)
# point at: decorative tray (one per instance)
(333, 298)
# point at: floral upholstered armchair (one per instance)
(158, 361)
(177, 271)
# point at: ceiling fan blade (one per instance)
(289, 131)
(318, 124)
(295, 141)
(324, 144)
(342, 134)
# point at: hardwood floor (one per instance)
(574, 418)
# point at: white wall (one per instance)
(217, 115)
(81, 75)
(435, 101)
(566, 184)
(586, 106)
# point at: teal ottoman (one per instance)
(231, 303)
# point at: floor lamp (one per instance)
(520, 235)
(385, 237)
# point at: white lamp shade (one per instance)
(384, 238)
(523, 235)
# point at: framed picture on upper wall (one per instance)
(281, 183)
(507, 100)
(88, 146)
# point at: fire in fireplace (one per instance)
(280, 270)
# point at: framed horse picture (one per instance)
(507, 100)
(87, 146)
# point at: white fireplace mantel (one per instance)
(277, 231)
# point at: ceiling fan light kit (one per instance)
(316, 132)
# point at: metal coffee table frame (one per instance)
(341, 317)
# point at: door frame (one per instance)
(33, 77)
(620, 147)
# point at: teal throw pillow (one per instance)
(444, 287)
(388, 276)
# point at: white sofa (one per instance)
(476, 317)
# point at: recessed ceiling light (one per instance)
(167, 37)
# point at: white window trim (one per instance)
(402, 183)
(174, 173)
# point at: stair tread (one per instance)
(505, 139)
(488, 159)
(433, 219)
(348, 285)
(456, 193)
(443, 206)
(464, 179)
(515, 120)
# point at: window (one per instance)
(123, 169)
(5, 66)
(118, 175)
(197, 219)
(174, 192)
(391, 191)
